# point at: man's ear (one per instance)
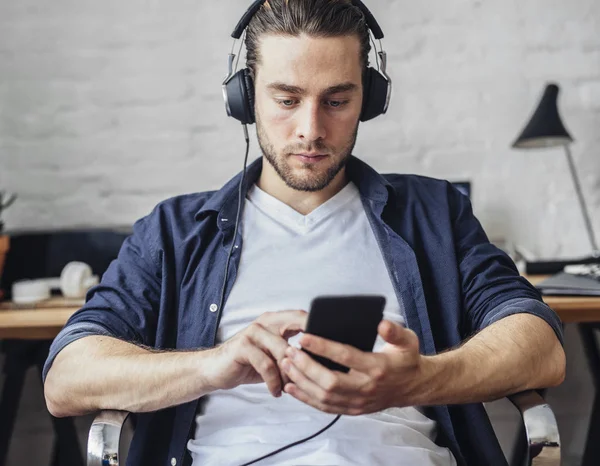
(240, 97)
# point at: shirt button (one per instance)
(173, 462)
(213, 308)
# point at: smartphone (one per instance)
(351, 319)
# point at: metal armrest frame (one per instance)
(541, 429)
(103, 440)
(543, 442)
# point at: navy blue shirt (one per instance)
(164, 291)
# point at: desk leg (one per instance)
(66, 447)
(14, 371)
(591, 455)
(20, 356)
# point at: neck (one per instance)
(303, 202)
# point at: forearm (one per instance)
(99, 372)
(517, 353)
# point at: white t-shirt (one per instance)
(287, 260)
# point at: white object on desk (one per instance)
(75, 280)
(30, 291)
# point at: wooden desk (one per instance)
(46, 319)
(40, 322)
(571, 309)
(38, 325)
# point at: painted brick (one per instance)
(108, 107)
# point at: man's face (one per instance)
(308, 101)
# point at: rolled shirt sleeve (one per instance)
(492, 287)
(528, 306)
(125, 304)
(69, 334)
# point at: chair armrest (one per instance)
(103, 440)
(541, 429)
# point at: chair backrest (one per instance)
(44, 254)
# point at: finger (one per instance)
(267, 368)
(267, 341)
(325, 378)
(313, 389)
(327, 395)
(345, 355)
(397, 334)
(284, 323)
(293, 390)
(271, 344)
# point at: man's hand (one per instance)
(252, 355)
(376, 381)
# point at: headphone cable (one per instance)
(237, 221)
(295, 443)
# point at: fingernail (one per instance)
(286, 365)
(291, 352)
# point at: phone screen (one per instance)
(350, 319)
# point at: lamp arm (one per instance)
(584, 210)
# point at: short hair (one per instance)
(316, 18)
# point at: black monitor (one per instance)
(463, 186)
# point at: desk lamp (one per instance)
(545, 129)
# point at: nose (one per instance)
(310, 125)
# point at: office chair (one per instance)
(542, 448)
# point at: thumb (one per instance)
(397, 335)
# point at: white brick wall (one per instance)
(108, 107)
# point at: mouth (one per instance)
(310, 158)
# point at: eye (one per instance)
(286, 102)
(337, 103)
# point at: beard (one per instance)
(312, 178)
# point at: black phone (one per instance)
(351, 319)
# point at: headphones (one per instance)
(75, 280)
(238, 87)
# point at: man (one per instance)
(153, 339)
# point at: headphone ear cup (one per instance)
(375, 89)
(75, 279)
(249, 82)
(240, 97)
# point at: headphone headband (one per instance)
(238, 86)
(243, 23)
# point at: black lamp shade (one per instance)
(545, 129)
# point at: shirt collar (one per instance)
(370, 183)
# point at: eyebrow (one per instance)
(282, 87)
